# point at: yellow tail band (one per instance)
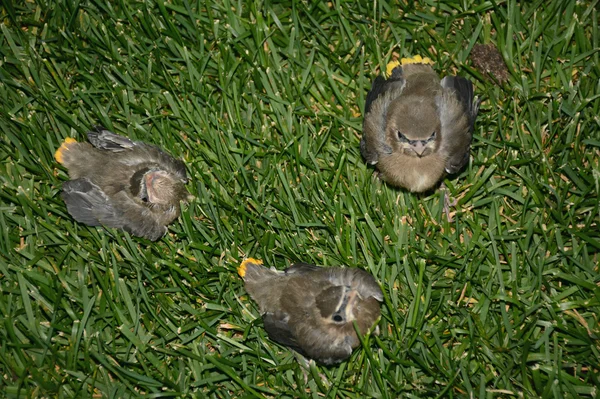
(242, 269)
(58, 155)
(417, 59)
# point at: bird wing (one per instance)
(87, 203)
(381, 85)
(104, 139)
(134, 218)
(306, 338)
(276, 325)
(458, 109)
(382, 93)
(322, 343)
(288, 310)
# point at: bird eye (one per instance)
(337, 318)
(432, 137)
(144, 198)
(402, 137)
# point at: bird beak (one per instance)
(418, 146)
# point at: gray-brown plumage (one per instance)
(117, 182)
(418, 127)
(313, 309)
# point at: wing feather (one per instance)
(381, 95)
(87, 203)
(458, 109)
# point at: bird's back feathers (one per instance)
(134, 153)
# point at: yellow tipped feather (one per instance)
(242, 268)
(417, 59)
(390, 67)
(58, 155)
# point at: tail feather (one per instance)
(250, 266)
(256, 275)
(59, 155)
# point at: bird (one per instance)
(120, 183)
(416, 127)
(314, 309)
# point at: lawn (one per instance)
(264, 103)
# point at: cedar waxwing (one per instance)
(313, 309)
(417, 127)
(121, 183)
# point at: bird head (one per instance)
(413, 126)
(159, 188)
(341, 306)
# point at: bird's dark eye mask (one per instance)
(137, 188)
(403, 139)
(330, 300)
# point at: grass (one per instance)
(263, 102)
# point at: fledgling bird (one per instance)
(416, 126)
(117, 182)
(312, 309)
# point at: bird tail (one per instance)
(249, 264)
(59, 155)
(417, 59)
(255, 275)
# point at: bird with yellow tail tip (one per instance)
(242, 268)
(59, 154)
(417, 127)
(417, 59)
(314, 310)
(120, 183)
